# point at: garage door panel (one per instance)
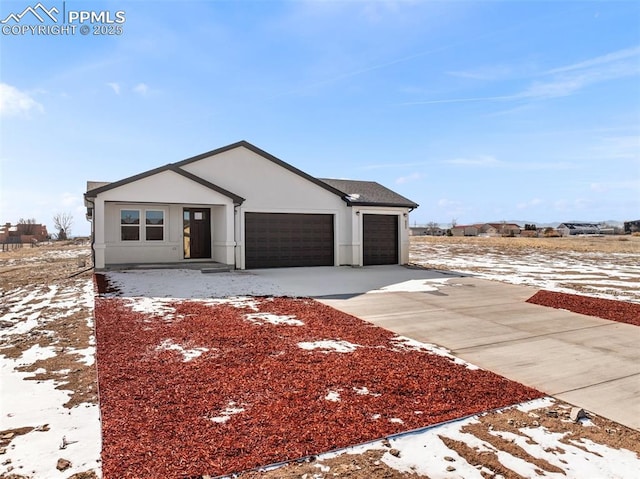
(275, 240)
(380, 239)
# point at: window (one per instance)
(130, 225)
(154, 225)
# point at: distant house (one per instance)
(499, 229)
(570, 229)
(426, 231)
(465, 230)
(632, 226)
(23, 233)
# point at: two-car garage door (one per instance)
(275, 240)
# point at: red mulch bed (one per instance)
(157, 409)
(600, 308)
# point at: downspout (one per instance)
(93, 233)
(235, 237)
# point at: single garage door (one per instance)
(380, 238)
(278, 240)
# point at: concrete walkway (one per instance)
(586, 361)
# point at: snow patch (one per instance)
(330, 345)
(38, 403)
(231, 409)
(187, 354)
(402, 342)
(333, 396)
(262, 318)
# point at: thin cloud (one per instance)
(392, 165)
(605, 187)
(529, 204)
(565, 81)
(487, 161)
(115, 87)
(601, 60)
(458, 100)
(409, 178)
(488, 73)
(480, 161)
(14, 102)
(141, 88)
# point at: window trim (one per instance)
(161, 226)
(142, 225)
(122, 225)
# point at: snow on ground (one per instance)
(72, 434)
(268, 318)
(186, 283)
(330, 346)
(600, 274)
(402, 342)
(551, 454)
(53, 431)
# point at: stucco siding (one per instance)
(171, 248)
(265, 185)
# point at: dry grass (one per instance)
(581, 244)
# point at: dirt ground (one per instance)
(576, 244)
(601, 266)
(63, 265)
(33, 270)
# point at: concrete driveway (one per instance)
(586, 361)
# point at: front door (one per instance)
(197, 232)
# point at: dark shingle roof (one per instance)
(369, 193)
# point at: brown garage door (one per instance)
(278, 240)
(380, 238)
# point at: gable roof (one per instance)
(369, 193)
(92, 193)
(354, 193)
(176, 167)
(265, 155)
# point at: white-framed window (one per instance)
(130, 225)
(154, 225)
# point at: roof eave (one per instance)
(386, 205)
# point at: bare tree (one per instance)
(27, 227)
(433, 228)
(62, 223)
(454, 222)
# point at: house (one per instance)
(632, 226)
(570, 229)
(468, 230)
(426, 231)
(241, 206)
(23, 233)
(498, 229)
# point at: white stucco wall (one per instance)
(270, 188)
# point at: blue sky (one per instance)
(478, 111)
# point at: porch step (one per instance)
(222, 268)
